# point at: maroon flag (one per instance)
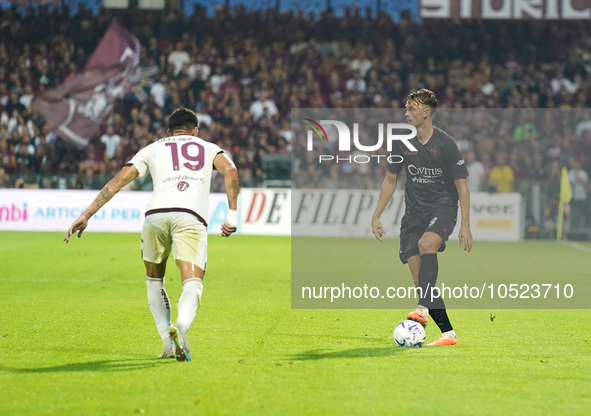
(76, 109)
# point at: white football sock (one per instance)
(451, 333)
(189, 302)
(423, 309)
(160, 307)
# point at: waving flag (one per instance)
(76, 109)
(566, 194)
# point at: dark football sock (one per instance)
(440, 318)
(427, 280)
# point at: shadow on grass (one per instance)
(327, 336)
(351, 353)
(103, 365)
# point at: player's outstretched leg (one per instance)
(177, 335)
(189, 302)
(448, 336)
(160, 308)
(188, 305)
(434, 305)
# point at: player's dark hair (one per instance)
(182, 119)
(424, 97)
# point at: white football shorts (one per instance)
(183, 232)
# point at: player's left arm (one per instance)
(227, 168)
(126, 175)
(465, 235)
(459, 172)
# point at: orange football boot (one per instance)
(418, 316)
(445, 339)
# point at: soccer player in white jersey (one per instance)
(181, 166)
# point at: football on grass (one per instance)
(409, 334)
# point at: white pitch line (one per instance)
(577, 246)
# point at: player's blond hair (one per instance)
(424, 97)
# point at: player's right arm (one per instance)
(225, 167)
(386, 192)
(126, 175)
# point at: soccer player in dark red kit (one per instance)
(435, 182)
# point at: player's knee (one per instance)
(415, 279)
(427, 246)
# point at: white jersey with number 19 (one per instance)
(181, 169)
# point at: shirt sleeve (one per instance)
(396, 161)
(140, 161)
(454, 160)
(215, 150)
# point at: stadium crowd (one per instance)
(243, 71)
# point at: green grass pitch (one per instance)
(77, 338)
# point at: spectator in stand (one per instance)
(526, 130)
(502, 176)
(7, 156)
(159, 91)
(551, 217)
(263, 106)
(27, 98)
(178, 58)
(217, 80)
(356, 84)
(520, 170)
(4, 178)
(582, 127)
(25, 157)
(154, 53)
(579, 181)
(476, 172)
(15, 105)
(282, 146)
(560, 83)
(361, 64)
(199, 68)
(552, 184)
(111, 140)
(22, 184)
